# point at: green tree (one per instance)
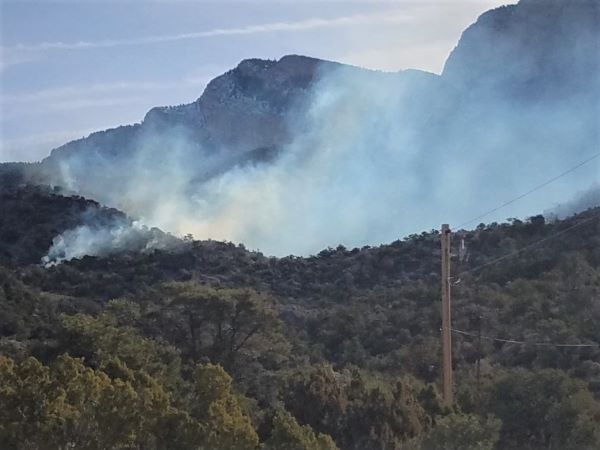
(545, 409)
(68, 405)
(228, 325)
(358, 413)
(214, 404)
(287, 434)
(463, 432)
(100, 339)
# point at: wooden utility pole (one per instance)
(478, 374)
(447, 385)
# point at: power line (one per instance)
(530, 246)
(531, 191)
(447, 328)
(513, 341)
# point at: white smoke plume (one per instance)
(119, 235)
(373, 157)
(582, 201)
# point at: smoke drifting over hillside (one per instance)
(367, 171)
(102, 239)
(581, 202)
(364, 157)
(370, 163)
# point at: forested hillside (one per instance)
(218, 347)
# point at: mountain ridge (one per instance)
(299, 144)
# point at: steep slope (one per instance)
(38, 225)
(241, 111)
(243, 117)
(538, 48)
(31, 217)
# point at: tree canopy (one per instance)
(218, 347)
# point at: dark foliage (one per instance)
(347, 341)
(31, 216)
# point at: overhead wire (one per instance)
(523, 249)
(532, 190)
(514, 341)
(494, 261)
(530, 246)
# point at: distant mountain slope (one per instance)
(243, 111)
(546, 48)
(279, 154)
(538, 48)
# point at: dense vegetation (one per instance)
(217, 347)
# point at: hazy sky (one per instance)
(72, 67)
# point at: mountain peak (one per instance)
(532, 46)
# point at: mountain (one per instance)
(241, 117)
(300, 144)
(543, 47)
(255, 96)
(535, 49)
